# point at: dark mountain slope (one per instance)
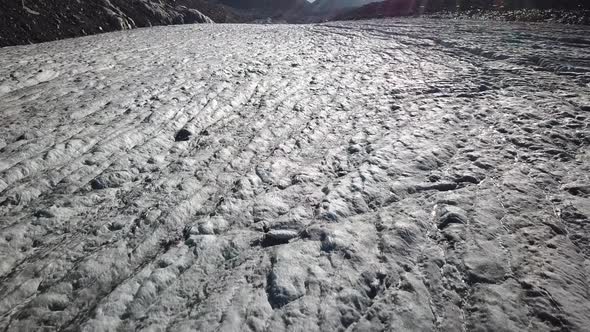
(263, 4)
(387, 8)
(331, 6)
(219, 13)
(283, 10)
(23, 22)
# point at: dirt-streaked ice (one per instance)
(379, 175)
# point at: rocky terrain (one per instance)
(580, 16)
(570, 12)
(271, 11)
(400, 175)
(34, 21)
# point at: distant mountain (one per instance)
(387, 8)
(263, 4)
(33, 21)
(332, 6)
(325, 10)
(282, 10)
(390, 8)
(218, 12)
